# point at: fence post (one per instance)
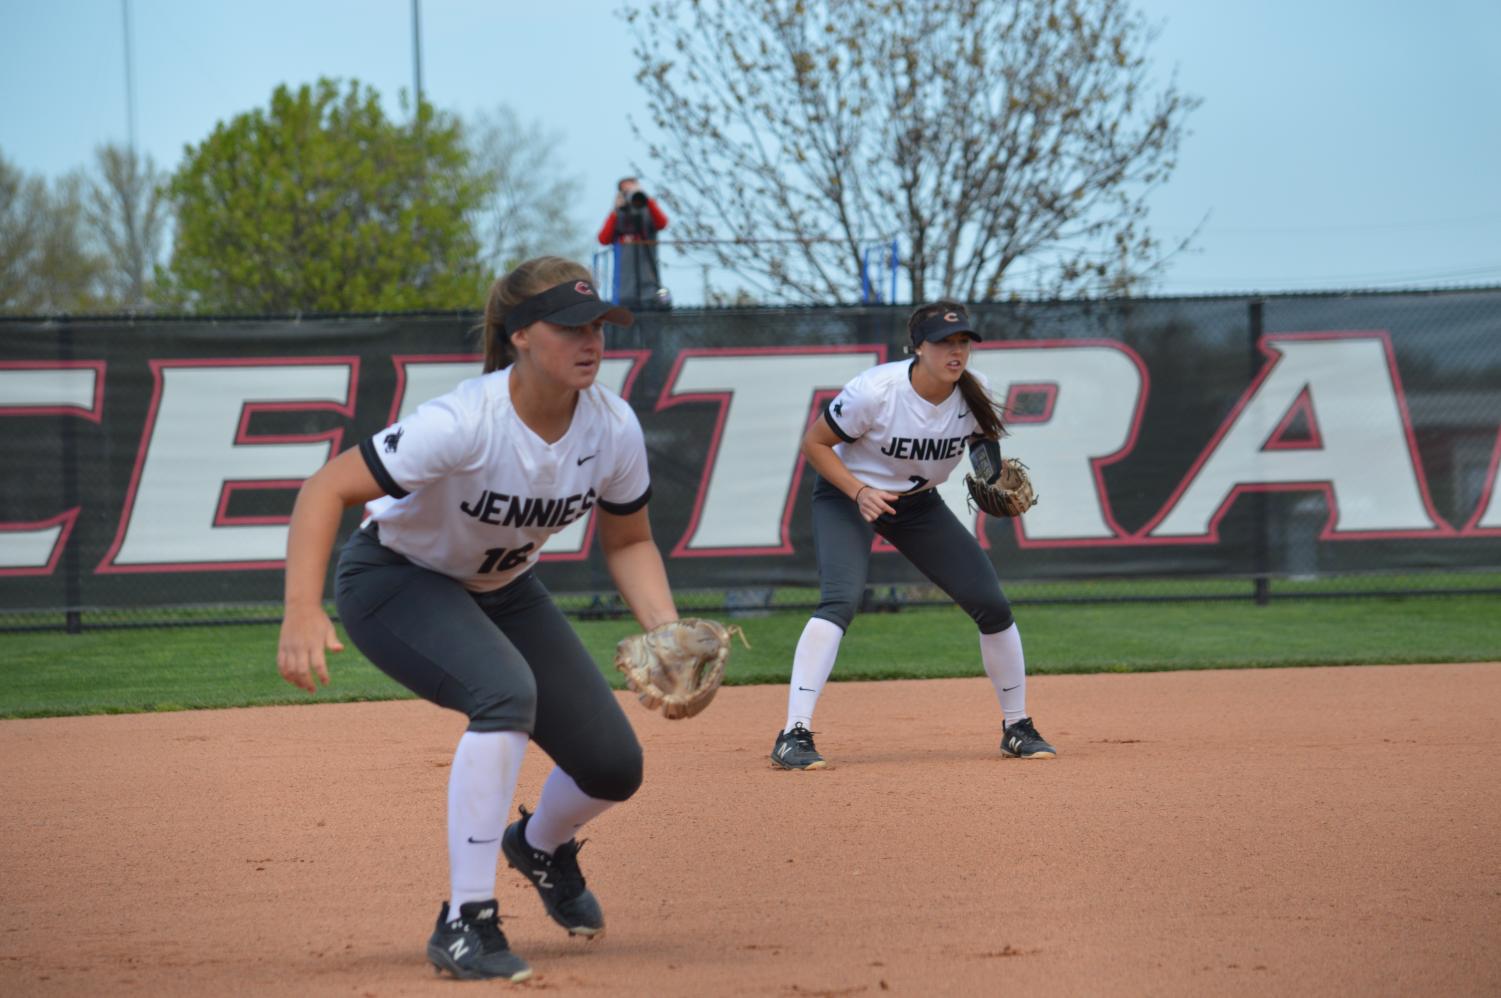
(68, 453)
(894, 260)
(604, 280)
(1261, 583)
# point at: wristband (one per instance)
(857, 493)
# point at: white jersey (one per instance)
(476, 492)
(893, 438)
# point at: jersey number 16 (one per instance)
(501, 560)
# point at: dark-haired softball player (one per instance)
(885, 443)
(437, 589)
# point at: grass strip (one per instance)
(130, 671)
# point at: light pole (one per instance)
(416, 55)
(130, 80)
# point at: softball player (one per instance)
(886, 442)
(437, 588)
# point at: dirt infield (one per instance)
(1319, 831)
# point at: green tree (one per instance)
(127, 215)
(46, 265)
(982, 134)
(321, 203)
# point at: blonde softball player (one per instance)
(437, 589)
(889, 438)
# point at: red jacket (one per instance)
(658, 222)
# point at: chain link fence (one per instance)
(1220, 448)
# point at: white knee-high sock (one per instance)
(481, 784)
(561, 811)
(1007, 668)
(811, 665)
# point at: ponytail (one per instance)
(498, 350)
(982, 406)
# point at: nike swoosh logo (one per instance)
(806, 690)
(479, 842)
(589, 458)
(1008, 689)
(963, 414)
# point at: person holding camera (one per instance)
(632, 228)
(637, 216)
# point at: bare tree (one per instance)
(45, 263)
(127, 212)
(1009, 145)
(525, 211)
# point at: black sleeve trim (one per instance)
(378, 470)
(625, 508)
(828, 417)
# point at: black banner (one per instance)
(154, 462)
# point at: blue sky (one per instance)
(1340, 144)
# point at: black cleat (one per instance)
(1021, 741)
(472, 947)
(557, 878)
(794, 749)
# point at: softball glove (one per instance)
(677, 666)
(1010, 494)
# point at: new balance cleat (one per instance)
(1020, 740)
(558, 880)
(794, 749)
(471, 947)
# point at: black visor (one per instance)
(572, 303)
(942, 325)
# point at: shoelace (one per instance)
(565, 863)
(802, 736)
(491, 939)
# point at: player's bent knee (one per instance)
(615, 778)
(515, 710)
(841, 615)
(993, 619)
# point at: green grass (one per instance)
(133, 670)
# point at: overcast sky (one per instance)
(1341, 144)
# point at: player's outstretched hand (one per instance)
(306, 634)
(874, 502)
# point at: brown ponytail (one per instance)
(981, 404)
(987, 414)
(530, 278)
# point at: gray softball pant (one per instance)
(507, 659)
(926, 532)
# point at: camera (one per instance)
(638, 199)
